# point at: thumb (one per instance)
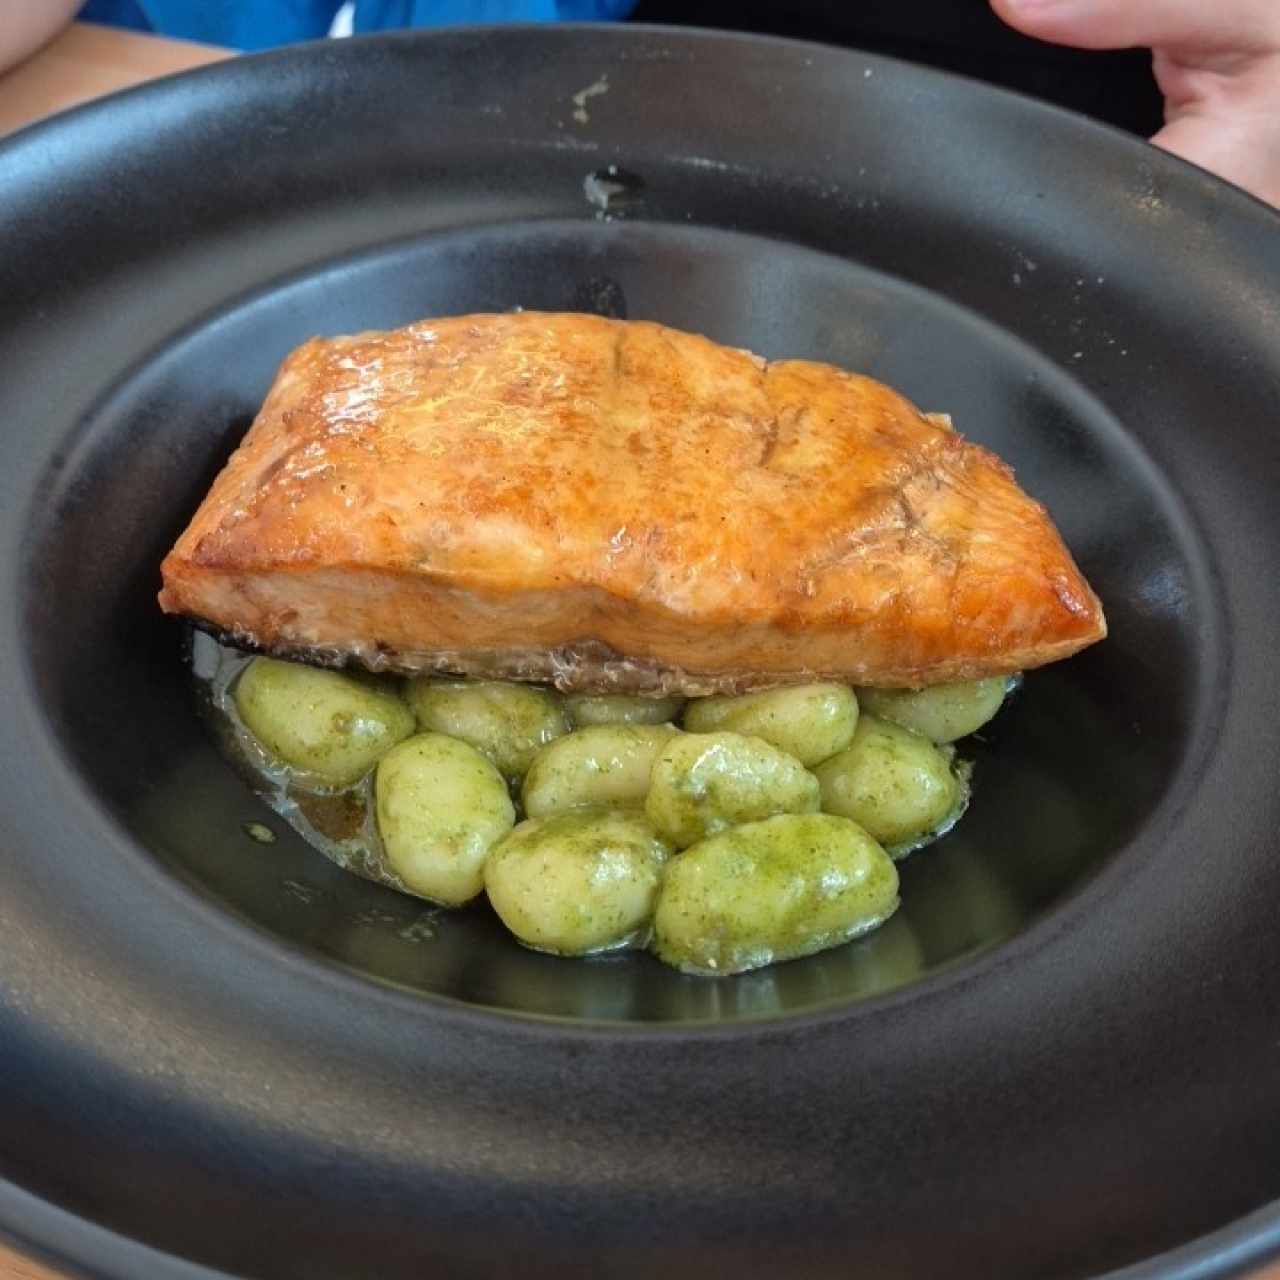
(1227, 26)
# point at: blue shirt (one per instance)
(262, 24)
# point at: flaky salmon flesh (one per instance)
(611, 505)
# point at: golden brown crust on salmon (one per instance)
(618, 505)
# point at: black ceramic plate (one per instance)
(1061, 1058)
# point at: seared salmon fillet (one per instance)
(613, 505)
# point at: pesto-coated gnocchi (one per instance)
(331, 726)
(772, 890)
(606, 764)
(706, 782)
(619, 708)
(509, 723)
(441, 807)
(895, 783)
(577, 882)
(789, 804)
(808, 721)
(941, 712)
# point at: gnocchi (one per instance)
(772, 890)
(570, 812)
(895, 783)
(509, 723)
(617, 708)
(811, 721)
(330, 726)
(602, 764)
(942, 712)
(441, 807)
(577, 882)
(702, 783)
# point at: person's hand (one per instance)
(1217, 62)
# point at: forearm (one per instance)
(25, 25)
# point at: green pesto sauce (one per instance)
(763, 878)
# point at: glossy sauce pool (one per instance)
(340, 823)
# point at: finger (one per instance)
(1228, 150)
(1240, 26)
(1230, 126)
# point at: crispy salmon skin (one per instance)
(616, 505)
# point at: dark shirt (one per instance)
(957, 35)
